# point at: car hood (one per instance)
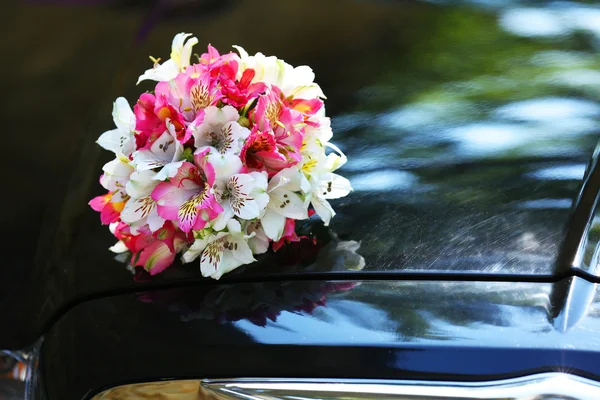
(467, 130)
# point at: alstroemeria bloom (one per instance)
(242, 195)
(260, 152)
(223, 138)
(164, 150)
(120, 140)
(141, 209)
(181, 51)
(238, 93)
(187, 197)
(115, 178)
(327, 185)
(212, 62)
(297, 82)
(271, 114)
(154, 252)
(191, 92)
(284, 202)
(225, 251)
(160, 254)
(109, 210)
(220, 131)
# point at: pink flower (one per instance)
(239, 93)
(272, 113)
(154, 115)
(187, 197)
(109, 211)
(212, 61)
(260, 153)
(154, 252)
(190, 92)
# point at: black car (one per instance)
(463, 266)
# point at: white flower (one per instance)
(284, 201)
(297, 82)
(224, 251)
(121, 140)
(181, 51)
(258, 242)
(141, 208)
(324, 184)
(166, 149)
(241, 195)
(115, 178)
(220, 131)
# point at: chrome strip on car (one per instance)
(540, 387)
(587, 253)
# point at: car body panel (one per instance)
(417, 330)
(468, 139)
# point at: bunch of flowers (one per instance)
(218, 161)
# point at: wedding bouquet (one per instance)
(218, 161)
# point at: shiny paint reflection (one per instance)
(443, 111)
(385, 329)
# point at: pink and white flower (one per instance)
(188, 197)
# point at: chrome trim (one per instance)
(587, 255)
(548, 386)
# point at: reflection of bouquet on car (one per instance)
(264, 301)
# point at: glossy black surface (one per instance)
(468, 126)
(387, 329)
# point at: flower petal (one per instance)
(118, 247)
(98, 202)
(195, 250)
(123, 116)
(141, 184)
(224, 165)
(189, 211)
(163, 72)
(168, 171)
(288, 204)
(155, 221)
(273, 224)
(333, 186)
(156, 258)
(323, 209)
(110, 140)
(137, 209)
(259, 242)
